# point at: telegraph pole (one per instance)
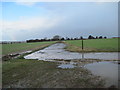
(82, 45)
(82, 50)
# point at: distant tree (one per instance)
(91, 37)
(68, 38)
(62, 38)
(100, 37)
(71, 39)
(31, 40)
(81, 37)
(36, 40)
(75, 38)
(105, 37)
(96, 37)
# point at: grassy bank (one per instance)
(21, 73)
(20, 47)
(103, 45)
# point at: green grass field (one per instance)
(109, 45)
(19, 47)
(105, 45)
(21, 73)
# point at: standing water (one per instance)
(57, 51)
(108, 71)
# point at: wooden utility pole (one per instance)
(82, 50)
(82, 45)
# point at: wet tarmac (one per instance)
(57, 51)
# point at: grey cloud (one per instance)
(80, 19)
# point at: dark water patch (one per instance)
(107, 70)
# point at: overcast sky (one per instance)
(31, 20)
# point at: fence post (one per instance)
(82, 50)
(82, 45)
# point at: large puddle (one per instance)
(108, 71)
(57, 51)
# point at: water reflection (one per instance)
(72, 63)
(108, 71)
(82, 55)
(57, 51)
(66, 66)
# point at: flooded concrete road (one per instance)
(107, 70)
(57, 51)
(67, 60)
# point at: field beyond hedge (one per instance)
(103, 45)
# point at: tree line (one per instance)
(58, 38)
(12, 42)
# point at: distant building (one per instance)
(56, 37)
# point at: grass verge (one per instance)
(21, 47)
(21, 73)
